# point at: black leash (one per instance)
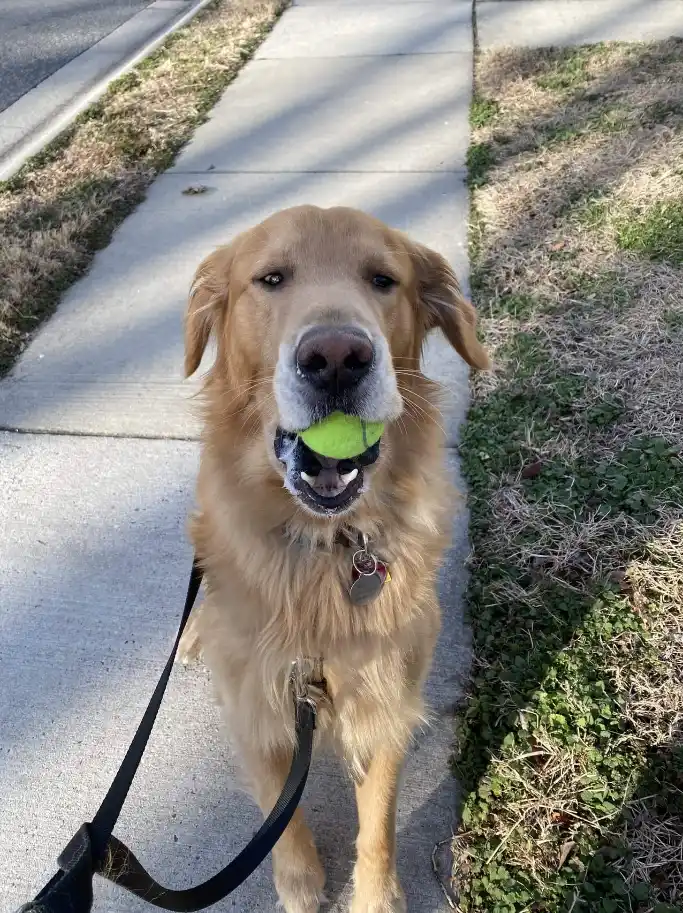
(94, 849)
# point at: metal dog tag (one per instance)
(369, 576)
(366, 588)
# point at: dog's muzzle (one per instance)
(324, 485)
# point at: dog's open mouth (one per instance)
(323, 484)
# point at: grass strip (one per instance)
(570, 745)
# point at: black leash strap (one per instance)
(94, 849)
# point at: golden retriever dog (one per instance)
(317, 311)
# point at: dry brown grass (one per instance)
(64, 205)
(572, 743)
(552, 207)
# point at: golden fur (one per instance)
(276, 581)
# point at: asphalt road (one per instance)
(38, 37)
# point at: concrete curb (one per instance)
(61, 116)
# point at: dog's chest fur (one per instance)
(277, 597)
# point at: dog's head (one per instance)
(316, 311)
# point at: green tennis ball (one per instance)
(341, 436)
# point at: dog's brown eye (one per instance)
(272, 279)
(383, 282)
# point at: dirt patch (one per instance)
(571, 745)
(65, 203)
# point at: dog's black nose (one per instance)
(334, 358)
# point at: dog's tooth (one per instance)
(310, 479)
(349, 476)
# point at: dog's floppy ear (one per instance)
(444, 306)
(208, 297)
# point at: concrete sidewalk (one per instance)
(547, 23)
(364, 104)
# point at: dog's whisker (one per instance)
(429, 403)
(423, 413)
(248, 420)
(418, 411)
(244, 389)
(253, 412)
(250, 385)
(428, 416)
(402, 426)
(409, 415)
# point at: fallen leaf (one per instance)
(561, 818)
(619, 577)
(531, 470)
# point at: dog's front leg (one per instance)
(299, 877)
(376, 885)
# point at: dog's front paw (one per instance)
(300, 888)
(376, 893)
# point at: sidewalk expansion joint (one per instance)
(367, 56)
(190, 439)
(207, 173)
(122, 436)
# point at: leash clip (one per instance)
(307, 680)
